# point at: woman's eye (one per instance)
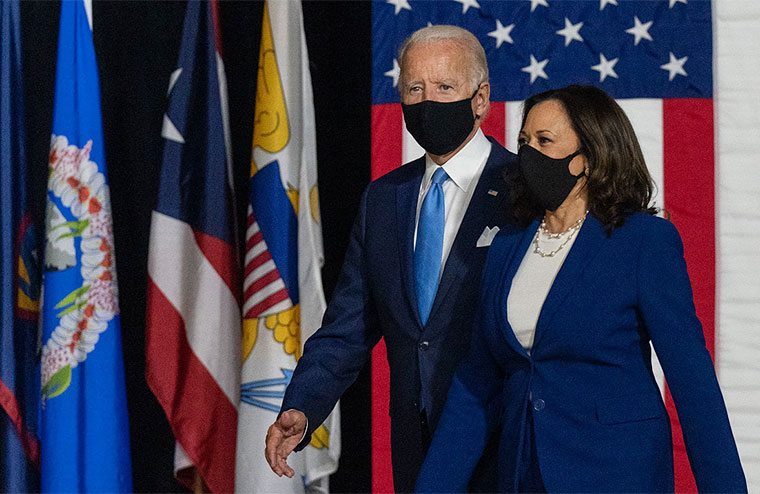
(521, 142)
(544, 140)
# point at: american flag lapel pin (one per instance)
(492, 192)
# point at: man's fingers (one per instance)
(282, 438)
(273, 441)
(285, 468)
(284, 448)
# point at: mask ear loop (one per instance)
(570, 158)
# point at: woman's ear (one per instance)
(578, 165)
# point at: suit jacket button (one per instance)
(538, 405)
(423, 345)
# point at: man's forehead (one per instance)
(426, 48)
(434, 58)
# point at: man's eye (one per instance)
(446, 87)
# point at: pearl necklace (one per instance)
(567, 234)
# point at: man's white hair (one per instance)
(474, 53)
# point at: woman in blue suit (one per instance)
(560, 357)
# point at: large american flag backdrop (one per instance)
(656, 58)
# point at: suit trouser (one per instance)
(485, 476)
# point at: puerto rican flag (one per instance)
(193, 315)
(690, 102)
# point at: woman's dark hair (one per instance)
(618, 182)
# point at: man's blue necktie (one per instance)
(429, 248)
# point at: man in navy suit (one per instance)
(389, 287)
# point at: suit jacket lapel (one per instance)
(590, 238)
(406, 208)
(511, 264)
(486, 201)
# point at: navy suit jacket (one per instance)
(375, 298)
(600, 424)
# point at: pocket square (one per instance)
(487, 236)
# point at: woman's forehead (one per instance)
(548, 115)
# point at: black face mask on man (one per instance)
(548, 179)
(440, 127)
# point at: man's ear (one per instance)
(482, 101)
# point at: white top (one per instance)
(464, 170)
(531, 285)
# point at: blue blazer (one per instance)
(600, 424)
(375, 298)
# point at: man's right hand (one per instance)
(282, 437)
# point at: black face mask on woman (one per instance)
(440, 127)
(548, 179)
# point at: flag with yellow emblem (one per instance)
(283, 298)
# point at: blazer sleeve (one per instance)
(335, 354)
(667, 309)
(471, 412)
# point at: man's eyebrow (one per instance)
(412, 81)
(449, 81)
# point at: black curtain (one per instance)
(137, 45)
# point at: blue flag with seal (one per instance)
(84, 431)
(19, 276)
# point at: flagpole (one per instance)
(199, 486)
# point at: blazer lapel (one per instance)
(511, 264)
(590, 238)
(485, 204)
(406, 208)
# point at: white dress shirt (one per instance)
(464, 170)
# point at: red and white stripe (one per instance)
(193, 345)
(264, 290)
